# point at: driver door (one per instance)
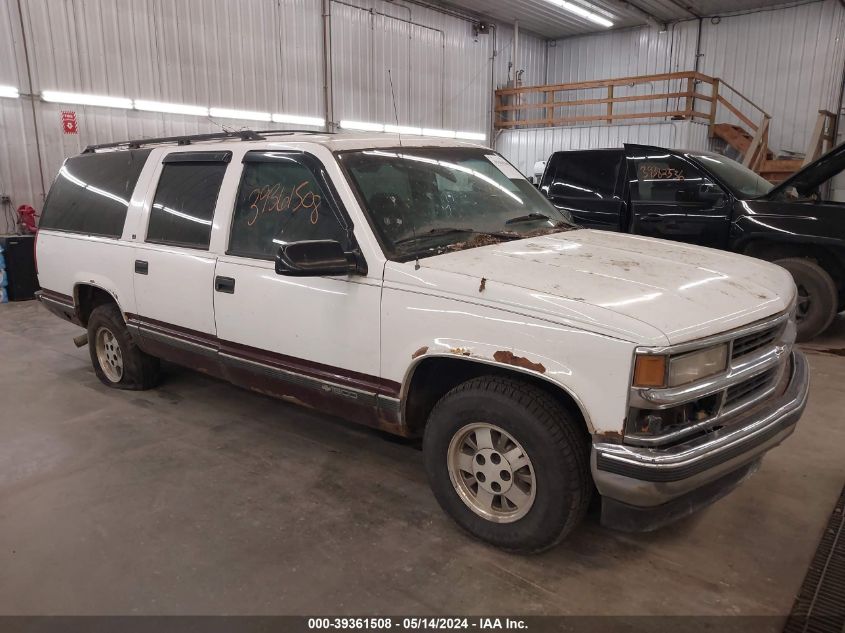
(313, 339)
(672, 199)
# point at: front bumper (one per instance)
(643, 488)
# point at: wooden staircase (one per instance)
(737, 137)
(757, 155)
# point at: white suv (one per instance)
(425, 288)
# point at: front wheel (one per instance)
(817, 301)
(508, 463)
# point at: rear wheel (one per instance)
(116, 359)
(817, 297)
(508, 463)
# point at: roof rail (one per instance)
(244, 135)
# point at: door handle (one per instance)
(651, 217)
(224, 284)
(142, 267)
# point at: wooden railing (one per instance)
(687, 95)
(823, 137)
(519, 107)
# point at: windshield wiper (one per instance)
(531, 217)
(438, 232)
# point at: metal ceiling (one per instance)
(547, 20)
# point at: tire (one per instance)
(817, 297)
(554, 487)
(117, 361)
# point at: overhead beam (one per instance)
(650, 18)
(686, 7)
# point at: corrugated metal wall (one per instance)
(440, 71)
(788, 60)
(625, 53)
(264, 55)
(267, 55)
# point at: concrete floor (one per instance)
(198, 497)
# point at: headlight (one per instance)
(652, 370)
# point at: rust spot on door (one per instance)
(482, 285)
(503, 356)
(420, 352)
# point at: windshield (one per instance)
(425, 201)
(742, 180)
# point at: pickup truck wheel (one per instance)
(817, 296)
(508, 463)
(117, 360)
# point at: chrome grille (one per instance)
(749, 388)
(754, 341)
(758, 355)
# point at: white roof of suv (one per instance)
(336, 141)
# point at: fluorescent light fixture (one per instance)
(9, 91)
(86, 99)
(225, 113)
(441, 133)
(402, 129)
(295, 119)
(582, 12)
(361, 125)
(170, 108)
(471, 136)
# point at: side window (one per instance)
(670, 179)
(92, 192)
(281, 200)
(183, 207)
(591, 175)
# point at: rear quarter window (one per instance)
(591, 175)
(92, 191)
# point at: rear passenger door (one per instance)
(173, 268)
(586, 184)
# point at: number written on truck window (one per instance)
(279, 201)
(184, 203)
(670, 179)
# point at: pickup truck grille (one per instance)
(754, 341)
(758, 357)
(749, 388)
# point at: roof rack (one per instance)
(244, 135)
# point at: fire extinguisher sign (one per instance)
(69, 122)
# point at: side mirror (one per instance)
(315, 258)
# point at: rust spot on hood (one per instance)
(420, 352)
(482, 285)
(461, 351)
(503, 356)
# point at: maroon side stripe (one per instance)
(57, 296)
(318, 371)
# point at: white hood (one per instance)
(685, 292)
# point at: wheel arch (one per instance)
(431, 376)
(830, 256)
(89, 295)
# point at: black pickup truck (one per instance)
(708, 199)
